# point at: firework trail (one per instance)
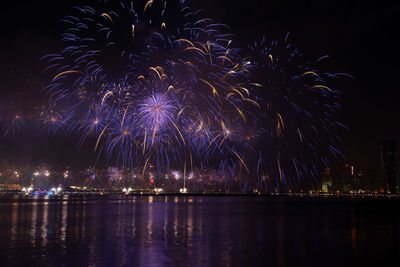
(299, 128)
(14, 119)
(153, 82)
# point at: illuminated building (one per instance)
(388, 157)
(343, 178)
(326, 180)
(359, 182)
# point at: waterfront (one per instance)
(198, 231)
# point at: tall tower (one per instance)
(388, 164)
(343, 175)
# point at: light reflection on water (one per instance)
(196, 231)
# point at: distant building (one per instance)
(359, 182)
(372, 181)
(348, 177)
(326, 180)
(343, 178)
(388, 164)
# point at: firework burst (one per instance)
(151, 88)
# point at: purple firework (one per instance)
(156, 112)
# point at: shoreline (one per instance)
(271, 196)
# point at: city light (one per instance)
(353, 183)
(183, 190)
(27, 190)
(127, 191)
(158, 190)
(56, 190)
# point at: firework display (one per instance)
(153, 83)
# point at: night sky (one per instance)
(360, 37)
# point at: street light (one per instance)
(183, 190)
(27, 190)
(56, 190)
(127, 190)
(158, 190)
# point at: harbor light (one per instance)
(56, 190)
(183, 190)
(127, 190)
(26, 190)
(158, 190)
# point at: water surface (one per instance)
(198, 231)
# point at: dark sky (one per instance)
(360, 37)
